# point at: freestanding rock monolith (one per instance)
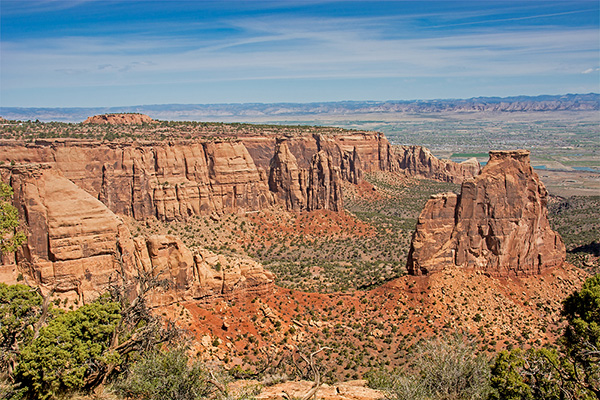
(498, 223)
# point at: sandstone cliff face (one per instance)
(175, 180)
(324, 184)
(76, 244)
(362, 152)
(117, 119)
(418, 161)
(286, 179)
(164, 180)
(497, 224)
(313, 188)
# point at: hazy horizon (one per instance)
(91, 53)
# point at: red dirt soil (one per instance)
(366, 329)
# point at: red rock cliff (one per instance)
(419, 162)
(362, 152)
(75, 245)
(498, 223)
(175, 180)
(164, 180)
(312, 188)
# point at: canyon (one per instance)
(72, 195)
(90, 209)
(178, 179)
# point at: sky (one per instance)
(104, 53)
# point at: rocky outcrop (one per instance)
(286, 180)
(324, 184)
(314, 188)
(75, 244)
(199, 275)
(119, 119)
(351, 390)
(419, 162)
(168, 181)
(497, 224)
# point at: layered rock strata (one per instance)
(167, 181)
(312, 188)
(76, 244)
(363, 152)
(175, 180)
(419, 162)
(498, 223)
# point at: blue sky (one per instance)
(83, 53)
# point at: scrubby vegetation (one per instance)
(575, 218)
(161, 130)
(452, 369)
(320, 251)
(48, 352)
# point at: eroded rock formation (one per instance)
(118, 119)
(168, 181)
(324, 184)
(177, 179)
(201, 274)
(286, 180)
(313, 188)
(76, 244)
(73, 194)
(419, 162)
(362, 152)
(498, 223)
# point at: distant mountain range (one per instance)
(214, 112)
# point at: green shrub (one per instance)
(442, 369)
(165, 375)
(572, 371)
(64, 356)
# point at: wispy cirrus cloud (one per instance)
(289, 50)
(486, 43)
(590, 70)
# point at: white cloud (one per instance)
(590, 70)
(296, 48)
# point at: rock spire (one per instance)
(498, 223)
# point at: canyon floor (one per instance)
(342, 284)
